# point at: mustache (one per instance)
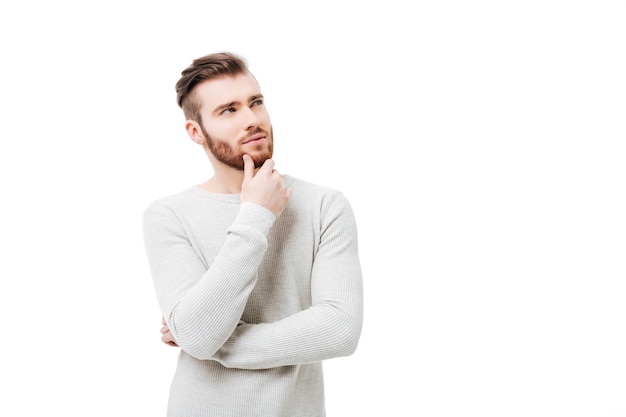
(256, 132)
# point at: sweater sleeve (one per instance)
(331, 327)
(202, 307)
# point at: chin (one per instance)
(261, 156)
(259, 161)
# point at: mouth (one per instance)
(254, 139)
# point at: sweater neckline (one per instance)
(229, 198)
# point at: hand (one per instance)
(265, 188)
(167, 337)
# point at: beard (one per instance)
(227, 154)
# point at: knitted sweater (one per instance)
(255, 303)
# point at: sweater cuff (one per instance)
(255, 216)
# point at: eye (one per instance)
(258, 102)
(228, 110)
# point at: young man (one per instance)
(257, 273)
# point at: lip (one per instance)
(254, 139)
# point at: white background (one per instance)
(482, 145)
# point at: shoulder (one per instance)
(184, 204)
(320, 196)
(169, 203)
(310, 189)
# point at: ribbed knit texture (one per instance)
(255, 303)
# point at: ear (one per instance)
(194, 132)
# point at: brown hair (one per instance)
(205, 68)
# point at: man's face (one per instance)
(235, 121)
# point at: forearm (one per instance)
(202, 306)
(209, 312)
(321, 332)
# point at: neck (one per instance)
(225, 179)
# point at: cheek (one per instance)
(266, 118)
(221, 131)
(263, 115)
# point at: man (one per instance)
(257, 273)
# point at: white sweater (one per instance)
(254, 302)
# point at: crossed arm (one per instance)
(205, 321)
(329, 328)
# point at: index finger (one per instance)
(248, 167)
(268, 165)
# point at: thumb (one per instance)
(248, 167)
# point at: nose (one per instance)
(252, 121)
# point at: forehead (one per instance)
(229, 88)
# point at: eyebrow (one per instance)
(225, 106)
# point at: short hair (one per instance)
(208, 67)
